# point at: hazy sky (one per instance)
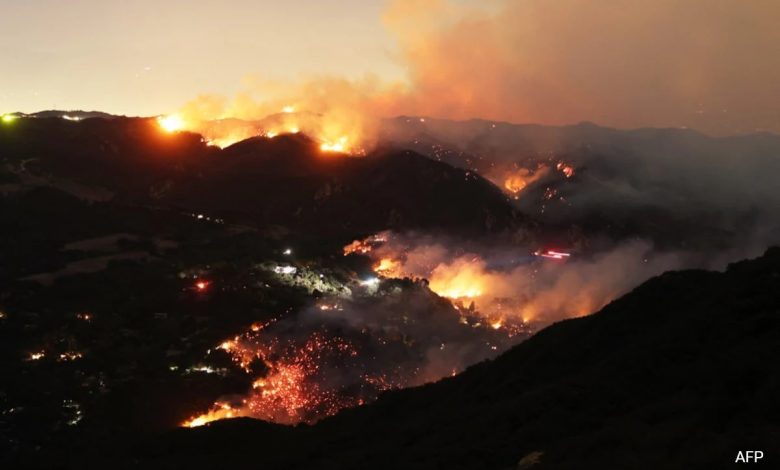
(713, 65)
(150, 56)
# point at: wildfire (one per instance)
(171, 123)
(220, 411)
(290, 391)
(338, 146)
(365, 246)
(460, 279)
(515, 182)
(387, 267)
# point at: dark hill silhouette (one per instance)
(680, 373)
(284, 181)
(287, 180)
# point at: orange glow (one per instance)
(220, 411)
(363, 247)
(516, 181)
(339, 146)
(287, 393)
(567, 170)
(171, 123)
(201, 286)
(460, 279)
(387, 267)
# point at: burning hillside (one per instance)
(430, 308)
(344, 351)
(505, 284)
(223, 133)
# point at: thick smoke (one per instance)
(708, 64)
(511, 282)
(705, 64)
(678, 188)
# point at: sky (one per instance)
(142, 57)
(710, 65)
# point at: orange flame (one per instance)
(387, 267)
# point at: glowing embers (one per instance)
(171, 123)
(566, 169)
(36, 356)
(68, 356)
(294, 377)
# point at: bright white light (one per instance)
(285, 270)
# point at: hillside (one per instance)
(677, 187)
(680, 373)
(286, 181)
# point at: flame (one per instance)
(516, 181)
(333, 117)
(387, 267)
(171, 123)
(339, 146)
(460, 279)
(366, 246)
(220, 411)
